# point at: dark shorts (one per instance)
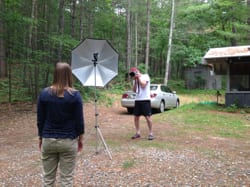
(142, 108)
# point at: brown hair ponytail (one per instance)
(62, 79)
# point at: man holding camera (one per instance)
(141, 86)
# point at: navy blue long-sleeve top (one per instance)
(60, 117)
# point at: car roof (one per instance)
(154, 84)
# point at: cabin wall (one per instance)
(240, 99)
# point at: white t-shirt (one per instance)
(143, 93)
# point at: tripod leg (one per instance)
(104, 143)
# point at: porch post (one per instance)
(228, 76)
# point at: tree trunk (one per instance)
(233, 40)
(2, 55)
(32, 44)
(81, 19)
(136, 40)
(148, 36)
(128, 61)
(32, 28)
(73, 19)
(169, 43)
(3, 72)
(248, 21)
(60, 27)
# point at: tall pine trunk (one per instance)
(169, 43)
(32, 44)
(129, 37)
(60, 27)
(148, 36)
(136, 39)
(81, 19)
(73, 19)
(3, 72)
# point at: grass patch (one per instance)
(155, 144)
(214, 124)
(112, 143)
(207, 119)
(128, 164)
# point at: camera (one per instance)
(132, 74)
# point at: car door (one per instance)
(166, 96)
(169, 97)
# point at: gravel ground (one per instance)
(194, 162)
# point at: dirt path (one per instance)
(188, 160)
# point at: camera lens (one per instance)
(132, 74)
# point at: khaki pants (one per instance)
(58, 153)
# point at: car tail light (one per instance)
(125, 96)
(152, 95)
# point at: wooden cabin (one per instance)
(202, 77)
(234, 62)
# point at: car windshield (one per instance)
(153, 87)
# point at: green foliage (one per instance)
(208, 25)
(177, 85)
(33, 42)
(3, 90)
(128, 164)
(232, 108)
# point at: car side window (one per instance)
(153, 87)
(168, 90)
(164, 89)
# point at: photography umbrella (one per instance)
(95, 63)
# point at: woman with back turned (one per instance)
(60, 123)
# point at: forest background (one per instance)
(35, 34)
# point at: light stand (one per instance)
(99, 136)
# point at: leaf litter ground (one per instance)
(186, 160)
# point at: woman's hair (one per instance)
(62, 79)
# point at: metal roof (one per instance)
(227, 52)
(221, 57)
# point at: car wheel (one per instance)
(162, 107)
(177, 104)
(130, 110)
